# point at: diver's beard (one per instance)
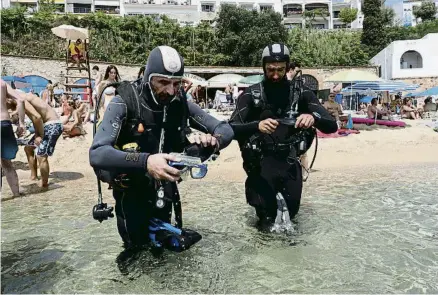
(163, 99)
(271, 81)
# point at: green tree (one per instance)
(373, 35)
(243, 34)
(310, 15)
(313, 48)
(238, 41)
(388, 16)
(427, 11)
(46, 6)
(348, 15)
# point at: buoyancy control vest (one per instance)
(142, 128)
(290, 142)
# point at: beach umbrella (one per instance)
(353, 76)
(366, 99)
(253, 79)
(381, 86)
(20, 83)
(195, 80)
(428, 92)
(223, 80)
(70, 32)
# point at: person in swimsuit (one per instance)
(36, 127)
(373, 111)
(333, 108)
(73, 123)
(9, 147)
(111, 76)
(45, 145)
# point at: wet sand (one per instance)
(373, 147)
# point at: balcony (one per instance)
(292, 11)
(111, 3)
(179, 11)
(158, 2)
(317, 11)
(81, 10)
(24, 1)
(316, 6)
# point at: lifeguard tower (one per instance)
(77, 63)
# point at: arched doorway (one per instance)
(411, 59)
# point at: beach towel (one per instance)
(339, 133)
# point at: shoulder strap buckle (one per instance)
(258, 96)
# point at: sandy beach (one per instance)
(373, 147)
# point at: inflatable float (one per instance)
(339, 133)
(378, 122)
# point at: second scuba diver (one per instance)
(273, 124)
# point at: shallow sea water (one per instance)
(368, 231)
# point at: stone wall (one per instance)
(425, 83)
(51, 69)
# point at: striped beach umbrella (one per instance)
(381, 86)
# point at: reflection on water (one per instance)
(351, 235)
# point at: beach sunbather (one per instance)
(408, 111)
(333, 108)
(373, 111)
(72, 124)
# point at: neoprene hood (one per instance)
(164, 61)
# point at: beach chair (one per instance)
(221, 103)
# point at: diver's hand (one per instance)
(305, 121)
(158, 167)
(268, 126)
(205, 139)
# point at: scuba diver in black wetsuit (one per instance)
(273, 123)
(143, 123)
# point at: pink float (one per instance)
(379, 122)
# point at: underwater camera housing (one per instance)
(291, 121)
(102, 212)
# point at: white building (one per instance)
(404, 11)
(409, 58)
(193, 11)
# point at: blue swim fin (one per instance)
(165, 235)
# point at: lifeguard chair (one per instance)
(77, 69)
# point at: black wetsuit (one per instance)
(274, 174)
(136, 205)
